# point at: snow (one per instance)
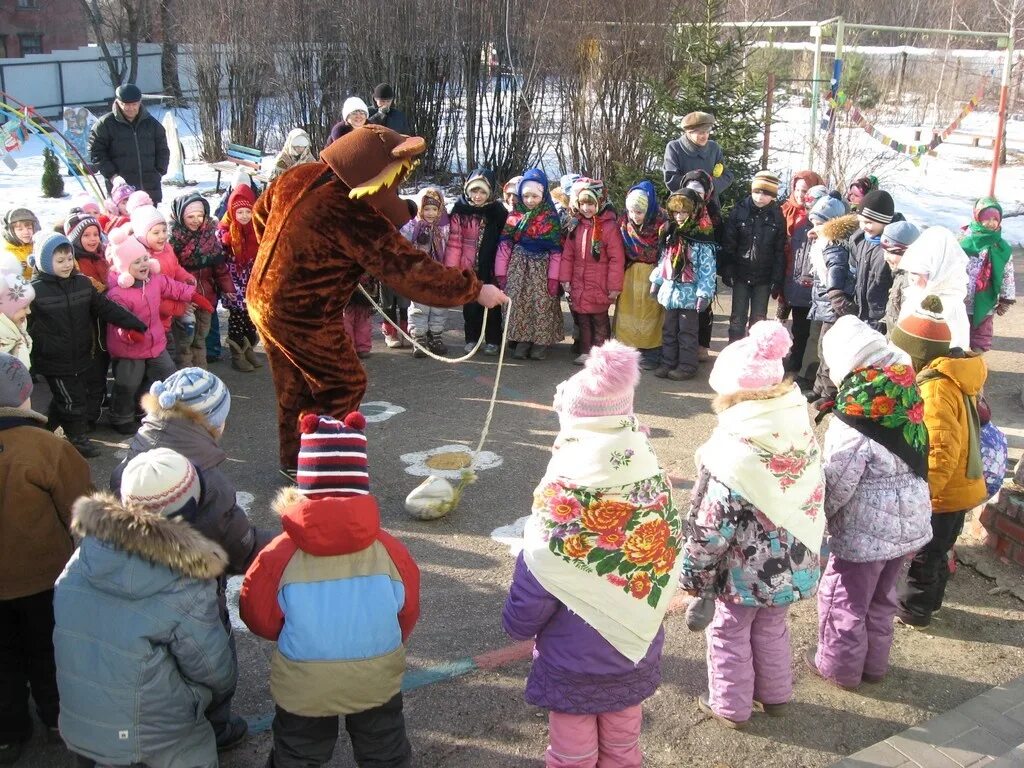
(940, 191)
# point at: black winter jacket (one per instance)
(754, 245)
(63, 323)
(874, 279)
(393, 118)
(136, 151)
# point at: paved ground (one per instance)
(479, 718)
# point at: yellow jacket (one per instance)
(21, 253)
(946, 415)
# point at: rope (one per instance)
(468, 475)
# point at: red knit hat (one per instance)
(241, 196)
(332, 456)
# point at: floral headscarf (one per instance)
(604, 535)
(642, 242)
(538, 231)
(885, 405)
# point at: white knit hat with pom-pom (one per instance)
(754, 362)
(122, 250)
(605, 385)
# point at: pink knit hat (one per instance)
(15, 294)
(144, 218)
(605, 385)
(137, 199)
(754, 362)
(122, 251)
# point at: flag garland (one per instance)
(914, 151)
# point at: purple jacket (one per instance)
(575, 670)
(143, 301)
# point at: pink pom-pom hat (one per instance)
(122, 250)
(754, 362)
(605, 386)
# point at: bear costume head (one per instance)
(373, 161)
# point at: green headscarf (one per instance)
(980, 240)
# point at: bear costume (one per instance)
(321, 226)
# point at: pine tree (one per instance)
(710, 74)
(53, 184)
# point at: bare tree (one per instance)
(118, 26)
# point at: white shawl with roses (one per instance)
(764, 449)
(604, 536)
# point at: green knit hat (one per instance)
(923, 334)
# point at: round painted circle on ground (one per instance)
(449, 461)
(379, 410)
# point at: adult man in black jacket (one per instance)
(386, 113)
(130, 143)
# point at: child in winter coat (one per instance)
(15, 296)
(239, 239)
(950, 382)
(333, 551)
(296, 151)
(20, 224)
(896, 238)
(475, 224)
(755, 525)
(41, 475)
(137, 284)
(753, 257)
(796, 293)
(510, 192)
(876, 500)
(593, 263)
(116, 205)
(428, 231)
(867, 258)
(140, 649)
(834, 282)
(709, 229)
(598, 629)
(936, 265)
(858, 189)
(991, 286)
(527, 268)
(638, 315)
(188, 413)
(794, 209)
(62, 324)
(200, 253)
(684, 283)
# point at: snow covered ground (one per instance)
(940, 191)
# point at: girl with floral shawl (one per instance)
(598, 569)
(755, 525)
(877, 501)
(527, 267)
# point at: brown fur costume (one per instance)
(321, 226)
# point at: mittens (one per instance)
(552, 287)
(702, 303)
(134, 337)
(699, 613)
(201, 302)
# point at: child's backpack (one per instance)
(993, 457)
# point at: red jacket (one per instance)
(591, 279)
(169, 266)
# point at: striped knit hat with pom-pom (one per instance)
(163, 482)
(754, 362)
(197, 389)
(332, 456)
(605, 386)
(924, 334)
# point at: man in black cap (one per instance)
(385, 113)
(130, 143)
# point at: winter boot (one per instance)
(238, 361)
(199, 357)
(436, 344)
(418, 348)
(251, 356)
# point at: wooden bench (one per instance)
(974, 139)
(241, 156)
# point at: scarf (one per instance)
(604, 535)
(677, 264)
(642, 242)
(197, 250)
(537, 231)
(429, 238)
(979, 241)
(975, 468)
(493, 215)
(764, 450)
(885, 405)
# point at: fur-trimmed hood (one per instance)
(134, 531)
(724, 402)
(181, 429)
(337, 525)
(840, 228)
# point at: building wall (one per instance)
(40, 26)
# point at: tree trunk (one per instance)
(169, 55)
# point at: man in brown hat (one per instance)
(695, 150)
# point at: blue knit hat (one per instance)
(825, 209)
(15, 381)
(198, 389)
(43, 246)
(899, 235)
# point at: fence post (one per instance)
(998, 142)
(837, 78)
(815, 96)
(768, 121)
